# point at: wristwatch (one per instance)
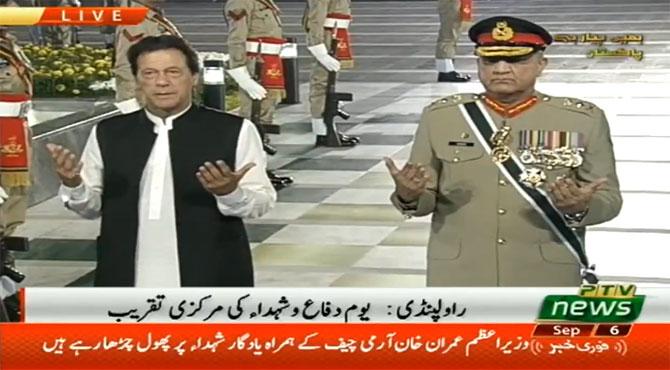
(575, 218)
(407, 208)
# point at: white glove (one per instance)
(321, 54)
(213, 55)
(246, 83)
(7, 287)
(289, 51)
(3, 195)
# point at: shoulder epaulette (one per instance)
(571, 104)
(452, 100)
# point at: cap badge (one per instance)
(502, 32)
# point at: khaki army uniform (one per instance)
(249, 21)
(315, 23)
(450, 28)
(16, 78)
(455, 16)
(60, 36)
(154, 24)
(108, 32)
(484, 233)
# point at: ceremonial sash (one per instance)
(272, 74)
(466, 10)
(14, 141)
(484, 128)
(340, 23)
(167, 25)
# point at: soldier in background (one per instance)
(254, 26)
(16, 88)
(16, 73)
(154, 24)
(35, 31)
(108, 31)
(512, 176)
(320, 19)
(453, 13)
(15, 80)
(60, 36)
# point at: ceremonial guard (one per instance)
(255, 43)
(512, 176)
(16, 88)
(63, 35)
(108, 32)
(154, 24)
(454, 14)
(322, 20)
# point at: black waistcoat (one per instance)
(213, 248)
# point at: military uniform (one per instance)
(60, 36)
(255, 35)
(108, 32)
(15, 82)
(320, 18)
(454, 15)
(450, 28)
(15, 139)
(154, 24)
(253, 24)
(36, 36)
(484, 230)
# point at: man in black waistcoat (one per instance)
(171, 182)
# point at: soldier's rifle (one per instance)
(333, 99)
(6, 269)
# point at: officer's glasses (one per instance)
(525, 59)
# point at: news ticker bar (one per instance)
(326, 346)
(71, 16)
(620, 305)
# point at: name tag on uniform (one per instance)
(461, 143)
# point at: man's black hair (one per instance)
(163, 42)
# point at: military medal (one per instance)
(528, 156)
(500, 151)
(532, 177)
(551, 148)
(500, 155)
(570, 157)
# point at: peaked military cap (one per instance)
(505, 36)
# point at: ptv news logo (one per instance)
(596, 303)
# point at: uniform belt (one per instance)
(341, 23)
(266, 48)
(14, 109)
